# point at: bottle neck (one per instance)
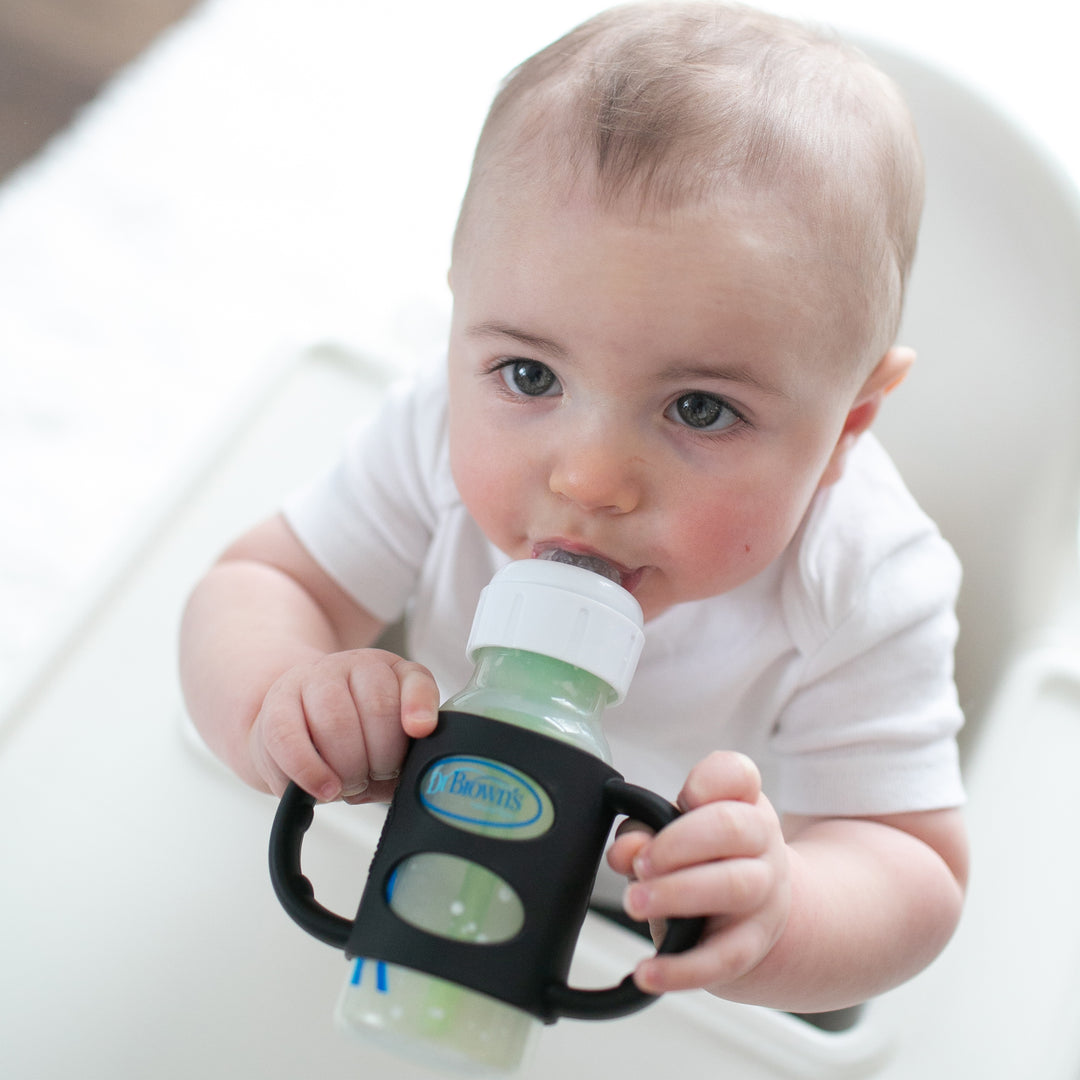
(538, 692)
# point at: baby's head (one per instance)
(677, 276)
(649, 109)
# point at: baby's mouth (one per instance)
(594, 563)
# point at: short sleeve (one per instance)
(368, 521)
(871, 727)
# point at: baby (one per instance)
(677, 278)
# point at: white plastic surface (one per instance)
(984, 428)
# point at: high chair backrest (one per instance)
(986, 428)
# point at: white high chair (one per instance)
(985, 429)
(142, 937)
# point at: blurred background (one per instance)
(54, 56)
(192, 189)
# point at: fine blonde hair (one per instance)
(671, 104)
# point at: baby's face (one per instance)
(661, 394)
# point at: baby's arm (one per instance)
(280, 680)
(806, 915)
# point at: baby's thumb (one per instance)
(631, 837)
(419, 699)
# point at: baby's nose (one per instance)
(597, 473)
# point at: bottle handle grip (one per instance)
(684, 933)
(294, 816)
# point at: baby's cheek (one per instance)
(488, 491)
(728, 545)
(720, 540)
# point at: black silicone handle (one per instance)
(294, 816)
(296, 812)
(682, 934)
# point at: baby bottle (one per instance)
(554, 644)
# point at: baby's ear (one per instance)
(889, 373)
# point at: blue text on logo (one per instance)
(478, 794)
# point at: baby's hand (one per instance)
(339, 724)
(725, 858)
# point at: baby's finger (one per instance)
(724, 774)
(275, 780)
(729, 887)
(366, 742)
(631, 840)
(716, 830)
(419, 695)
(282, 745)
(334, 726)
(721, 958)
(378, 700)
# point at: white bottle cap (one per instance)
(565, 612)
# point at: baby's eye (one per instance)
(702, 412)
(529, 377)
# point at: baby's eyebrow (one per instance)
(533, 341)
(728, 373)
